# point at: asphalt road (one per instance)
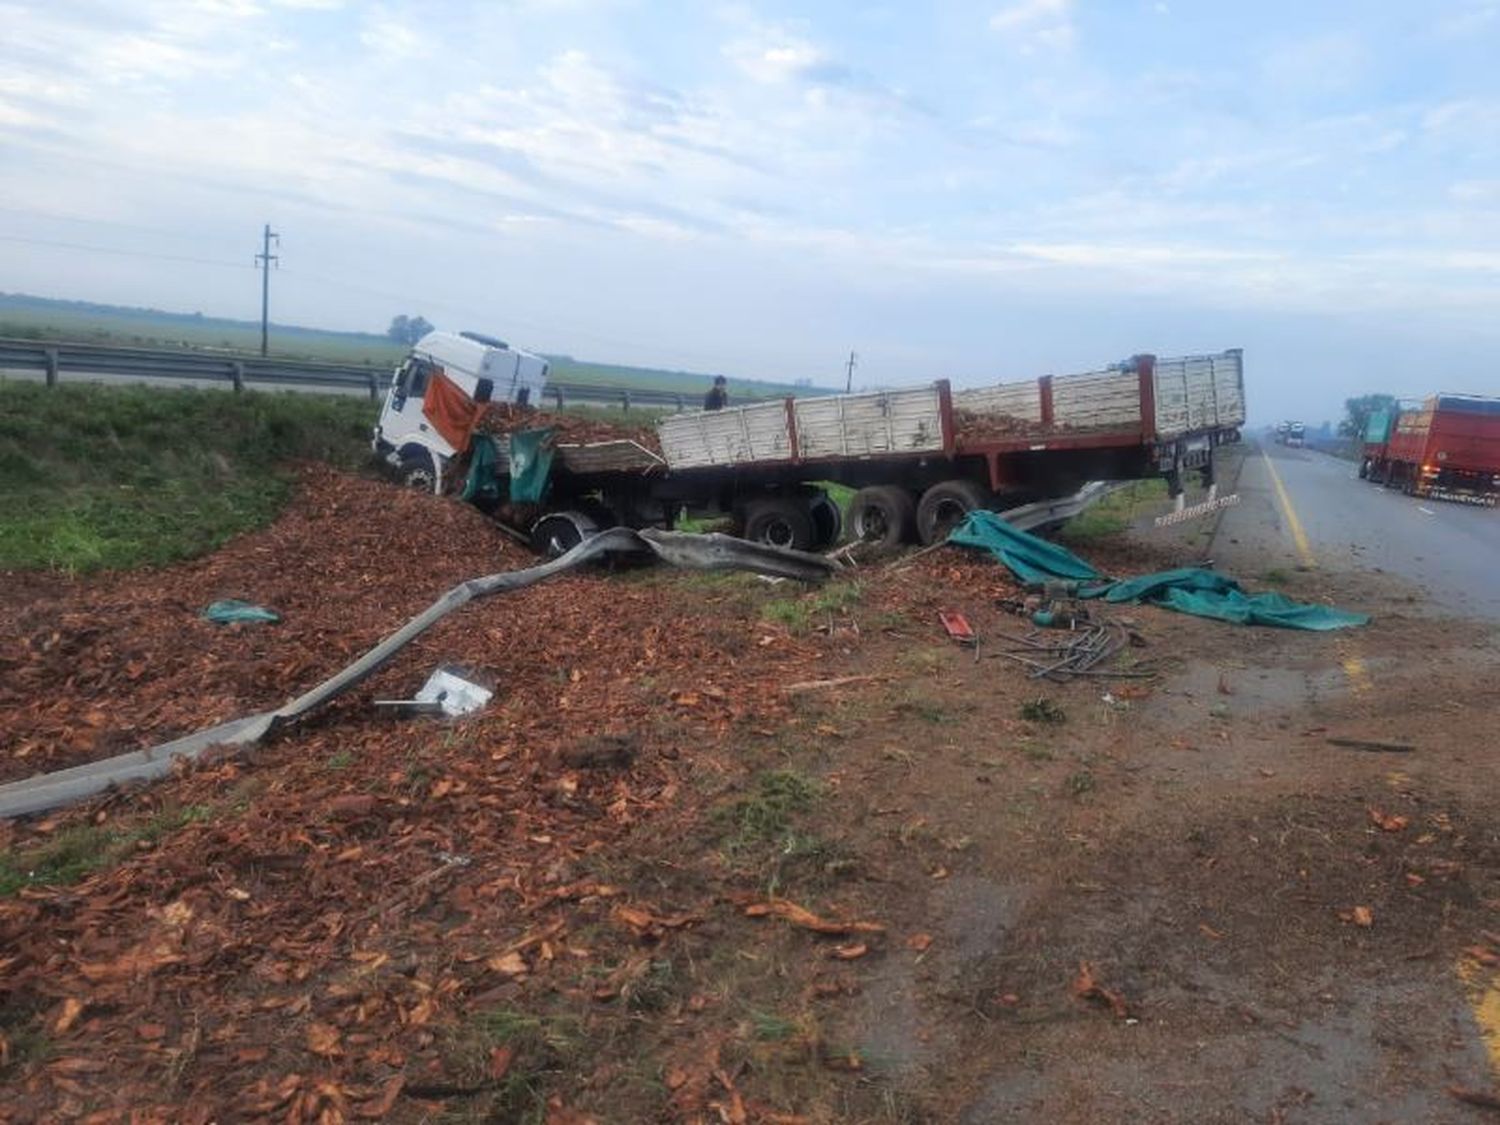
(1322, 514)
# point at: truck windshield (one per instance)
(412, 380)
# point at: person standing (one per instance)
(718, 395)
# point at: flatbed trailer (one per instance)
(920, 458)
(1445, 448)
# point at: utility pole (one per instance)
(263, 260)
(849, 372)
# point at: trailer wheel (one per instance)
(558, 533)
(945, 505)
(828, 521)
(780, 521)
(417, 471)
(1364, 469)
(883, 516)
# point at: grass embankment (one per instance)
(109, 477)
(1117, 512)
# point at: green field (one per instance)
(106, 477)
(34, 318)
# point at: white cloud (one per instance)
(1319, 65)
(1033, 25)
(1476, 191)
(392, 37)
(1467, 18)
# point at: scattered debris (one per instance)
(1087, 987)
(1061, 656)
(232, 611)
(1483, 1099)
(1361, 916)
(1373, 745)
(837, 681)
(957, 627)
(807, 920)
(1388, 822)
(448, 691)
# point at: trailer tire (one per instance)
(780, 521)
(945, 505)
(1364, 469)
(828, 522)
(883, 516)
(557, 533)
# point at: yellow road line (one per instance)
(1484, 1000)
(1298, 535)
(1357, 673)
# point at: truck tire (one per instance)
(1364, 469)
(780, 521)
(883, 516)
(557, 533)
(828, 522)
(945, 505)
(417, 471)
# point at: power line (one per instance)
(60, 245)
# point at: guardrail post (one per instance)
(237, 376)
(52, 367)
(556, 390)
(624, 400)
(374, 387)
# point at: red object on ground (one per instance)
(957, 626)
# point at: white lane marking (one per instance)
(1426, 511)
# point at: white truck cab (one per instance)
(483, 369)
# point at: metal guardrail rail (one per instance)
(55, 359)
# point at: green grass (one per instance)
(102, 477)
(765, 815)
(86, 322)
(1116, 512)
(79, 851)
(799, 614)
(34, 319)
(1042, 710)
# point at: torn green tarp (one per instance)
(531, 456)
(227, 611)
(1203, 593)
(1030, 559)
(481, 484)
(1206, 593)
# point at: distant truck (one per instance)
(920, 458)
(1446, 447)
(1290, 433)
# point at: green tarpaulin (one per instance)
(531, 456)
(481, 483)
(529, 469)
(1203, 593)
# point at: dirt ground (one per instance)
(649, 882)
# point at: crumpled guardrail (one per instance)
(698, 552)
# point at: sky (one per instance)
(978, 191)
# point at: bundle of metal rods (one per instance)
(1059, 655)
